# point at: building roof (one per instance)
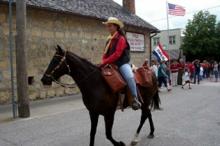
(98, 9)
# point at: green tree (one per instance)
(218, 40)
(200, 39)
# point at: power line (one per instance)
(191, 12)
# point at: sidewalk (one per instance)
(47, 107)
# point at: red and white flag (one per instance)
(160, 53)
(176, 10)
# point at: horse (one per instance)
(96, 94)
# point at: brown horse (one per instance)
(97, 95)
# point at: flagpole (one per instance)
(168, 36)
(168, 28)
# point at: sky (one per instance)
(154, 11)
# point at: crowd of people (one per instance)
(178, 72)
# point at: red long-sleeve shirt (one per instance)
(181, 66)
(174, 68)
(191, 68)
(121, 45)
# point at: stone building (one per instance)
(76, 26)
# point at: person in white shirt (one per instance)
(154, 67)
(201, 72)
(186, 78)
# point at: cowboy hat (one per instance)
(114, 20)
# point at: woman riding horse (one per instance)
(96, 94)
(117, 52)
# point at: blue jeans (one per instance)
(128, 75)
(198, 78)
(216, 75)
(162, 80)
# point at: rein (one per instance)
(63, 60)
(64, 84)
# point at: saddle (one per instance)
(143, 77)
(113, 78)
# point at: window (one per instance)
(172, 40)
(156, 41)
(30, 80)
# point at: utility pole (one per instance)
(21, 67)
(14, 106)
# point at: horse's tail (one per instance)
(155, 104)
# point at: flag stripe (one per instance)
(164, 52)
(157, 56)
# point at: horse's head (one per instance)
(57, 67)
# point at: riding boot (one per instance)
(136, 104)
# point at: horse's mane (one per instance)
(73, 55)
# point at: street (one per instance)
(188, 118)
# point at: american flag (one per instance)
(176, 10)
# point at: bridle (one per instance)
(61, 62)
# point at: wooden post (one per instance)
(21, 70)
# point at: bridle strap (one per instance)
(63, 60)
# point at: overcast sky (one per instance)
(154, 11)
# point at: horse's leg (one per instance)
(145, 114)
(109, 120)
(94, 121)
(151, 135)
(143, 119)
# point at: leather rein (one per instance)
(63, 61)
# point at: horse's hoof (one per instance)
(160, 109)
(150, 136)
(134, 142)
(121, 143)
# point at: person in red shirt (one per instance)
(117, 51)
(191, 70)
(174, 72)
(181, 67)
(205, 67)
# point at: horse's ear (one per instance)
(59, 49)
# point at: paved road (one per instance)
(189, 118)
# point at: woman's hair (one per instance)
(120, 31)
